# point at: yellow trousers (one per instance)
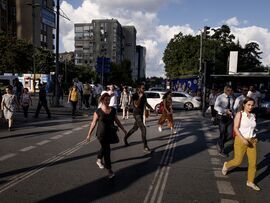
(164, 117)
(239, 151)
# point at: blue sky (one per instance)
(157, 21)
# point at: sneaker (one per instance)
(99, 163)
(159, 128)
(224, 169)
(253, 186)
(111, 175)
(147, 150)
(173, 131)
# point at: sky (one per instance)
(157, 21)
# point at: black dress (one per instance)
(105, 121)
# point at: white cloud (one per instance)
(255, 34)
(232, 21)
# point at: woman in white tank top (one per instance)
(245, 142)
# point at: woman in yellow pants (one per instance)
(245, 142)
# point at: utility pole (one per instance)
(56, 74)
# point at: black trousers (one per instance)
(86, 100)
(105, 152)
(138, 124)
(225, 130)
(74, 106)
(25, 111)
(45, 105)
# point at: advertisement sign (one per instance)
(48, 17)
(233, 62)
(185, 84)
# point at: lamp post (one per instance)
(34, 5)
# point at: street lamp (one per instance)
(34, 6)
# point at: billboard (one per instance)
(233, 60)
(48, 17)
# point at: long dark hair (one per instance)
(246, 100)
(103, 96)
(166, 94)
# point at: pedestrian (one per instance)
(212, 99)
(86, 94)
(79, 85)
(8, 105)
(73, 98)
(256, 95)
(239, 100)
(245, 142)
(105, 116)
(167, 113)
(113, 93)
(17, 89)
(125, 102)
(139, 103)
(223, 106)
(26, 101)
(42, 101)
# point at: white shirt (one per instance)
(254, 95)
(212, 99)
(238, 102)
(247, 125)
(222, 103)
(113, 100)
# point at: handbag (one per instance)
(114, 139)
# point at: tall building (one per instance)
(140, 62)
(35, 20)
(19, 17)
(8, 17)
(101, 38)
(129, 34)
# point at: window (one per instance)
(78, 29)
(178, 95)
(152, 95)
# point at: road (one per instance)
(49, 161)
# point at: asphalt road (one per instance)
(49, 161)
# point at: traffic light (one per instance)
(206, 32)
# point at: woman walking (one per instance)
(105, 116)
(167, 113)
(8, 105)
(26, 101)
(73, 98)
(125, 102)
(245, 142)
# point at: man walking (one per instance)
(223, 106)
(42, 101)
(139, 102)
(239, 100)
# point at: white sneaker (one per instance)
(99, 163)
(224, 170)
(253, 186)
(159, 128)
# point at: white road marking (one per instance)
(7, 156)
(14, 180)
(218, 174)
(225, 187)
(212, 152)
(68, 132)
(77, 129)
(27, 149)
(86, 125)
(228, 201)
(43, 142)
(215, 161)
(56, 137)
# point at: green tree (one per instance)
(44, 61)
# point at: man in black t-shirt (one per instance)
(42, 101)
(139, 102)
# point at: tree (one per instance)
(16, 55)
(44, 61)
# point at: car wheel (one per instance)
(188, 106)
(157, 108)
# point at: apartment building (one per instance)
(140, 62)
(129, 35)
(31, 20)
(101, 38)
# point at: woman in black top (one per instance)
(105, 116)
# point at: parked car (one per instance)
(180, 100)
(161, 89)
(265, 105)
(185, 101)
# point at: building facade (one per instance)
(101, 38)
(31, 20)
(129, 35)
(140, 62)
